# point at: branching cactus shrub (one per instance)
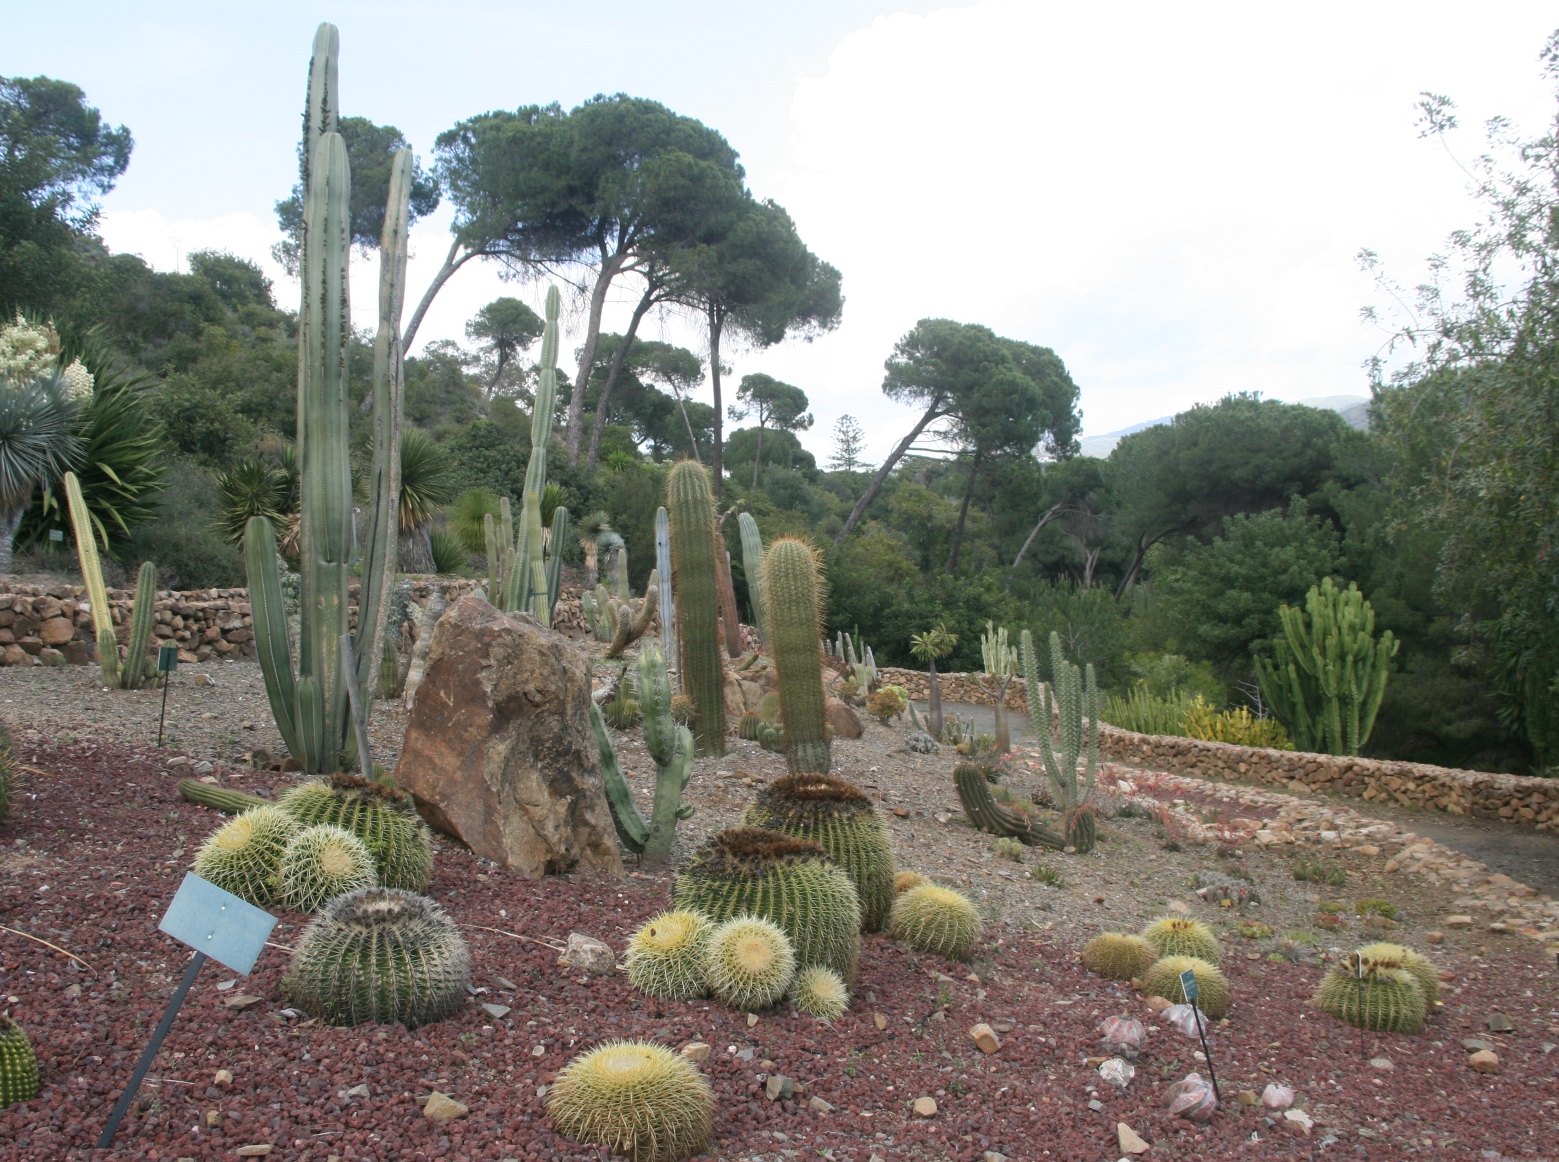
(1075, 711)
(321, 863)
(636, 1099)
(793, 591)
(380, 955)
(838, 816)
(690, 506)
(749, 871)
(671, 747)
(18, 1065)
(1001, 665)
(244, 855)
(382, 817)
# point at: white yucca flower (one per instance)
(27, 351)
(77, 382)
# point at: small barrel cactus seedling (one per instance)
(1162, 979)
(666, 956)
(634, 1098)
(749, 726)
(1177, 936)
(935, 919)
(379, 815)
(321, 863)
(820, 992)
(1378, 996)
(838, 816)
(18, 1065)
(1115, 956)
(380, 955)
(905, 880)
(1008, 849)
(1423, 970)
(751, 872)
(244, 855)
(749, 963)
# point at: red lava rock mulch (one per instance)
(104, 840)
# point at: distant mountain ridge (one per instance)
(1354, 409)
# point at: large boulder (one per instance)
(499, 752)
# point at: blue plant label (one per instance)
(167, 658)
(229, 930)
(56, 535)
(1189, 986)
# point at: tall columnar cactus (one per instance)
(752, 569)
(690, 505)
(794, 592)
(1001, 666)
(730, 618)
(557, 539)
(381, 955)
(311, 707)
(1076, 713)
(381, 817)
(670, 746)
(132, 675)
(92, 576)
(1329, 675)
(668, 641)
(838, 816)
(18, 1065)
(793, 882)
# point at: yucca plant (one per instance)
(466, 514)
(448, 551)
(38, 443)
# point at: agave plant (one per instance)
(591, 529)
(426, 485)
(251, 488)
(38, 442)
(466, 512)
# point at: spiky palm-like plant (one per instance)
(250, 488)
(38, 443)
(931, 647)
(838, 816)
(466, 514)
(636, 1099)
(380, 955)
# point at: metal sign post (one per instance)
(1192, 990)
(218, 926)
(167, 659)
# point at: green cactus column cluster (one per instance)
(133, 674)
(690, 508)
(1329, 674)
(1076, 717)
(793, 589)
(752, 569)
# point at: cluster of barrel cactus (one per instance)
(1385, 988)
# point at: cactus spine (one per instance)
(752, 569)
(690, 505)
(636, 1099)
(311, 708)
(794, 592)
(1077, 716)
(18, 1065)
(382, 955)
(670, 746)
(1329, 675)
(92, 575)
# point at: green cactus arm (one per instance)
(220, 798)
(490, 540)
(670, 781)
(1379, 674)
(559, 538)
(380, 555)
(1037, 713)
(309, 714)
(752, 569)
(690, 505)
(626, 820)
(660, 729)
(92, 575)
(631, 624)
(985, 814)
(268, 612)
(663, 567)
(133, 674)
(794, 591)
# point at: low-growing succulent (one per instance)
(748, 963)
(1178, 936)
(666, 956)
(1318, 871)
(1376, 907)
(321, 863)
(749, 726)
(18, 1065)
(634, 1098)
(1162, 979)
(747, 871)
(1116, 956)
(1374, 996)
(1008, 849)
(919, 742)
(1217, 887)
(381, 955)
(1397, 956)
(244, 855)
(838, 816)
(379, 815)
(905, 880)
(820, 992)
(936, 919)
(1254, 930)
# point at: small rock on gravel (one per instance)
(1477, 1045)
(1131, 1142)
(1484, 1061)
(925, 1107)
(985, 1037)
(441, 1107)
(820, 1106)
(779, 1087)
(257, 1150)
(588, 953)
(497, 1012)
(1300, 1121)
(1500, 1023)
(360, 1090)
(696, 1051)
(1458, 921)
(1382, 1063)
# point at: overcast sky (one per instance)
(1170, 196)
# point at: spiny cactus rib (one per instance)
(748, 963)
(92, 576)
(636, 1099)
(793, 591)
(272, 639)
(1118, 957)
(1162, 979)
(321, 863)
(1176, 936)
(749, 726)
(558, 539)
(244, 855)
(380, 955)
(936, 920)
(820, 992)
(18, 1065)
(838, 816)
(666, 956)
(396, 837)
(690, 504)
(668, 642)
(793, 882)
(1368, 996)
(220, 798)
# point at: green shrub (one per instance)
(1238, 726)
(1147, 713)
(1376, 907)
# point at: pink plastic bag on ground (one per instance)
(1192, 1098)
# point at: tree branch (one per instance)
(932, 413)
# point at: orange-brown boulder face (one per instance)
(499, 752)
(844, 721)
